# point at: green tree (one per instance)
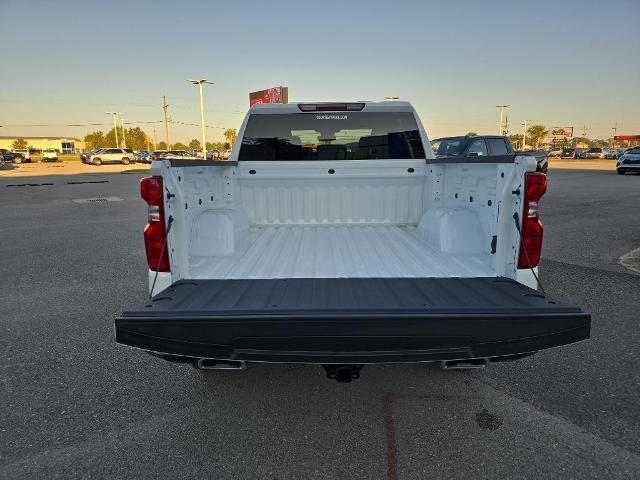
(20, 143)
(162, 146)
(95, 140)
(516, 141)
(535, 134)
(230, 134)
(136, 138)
(195, 144)
(179, 146)
(472, 134)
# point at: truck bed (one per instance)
(350, 320)
(338, 251)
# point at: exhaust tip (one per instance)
(464, 364)
(215, 364)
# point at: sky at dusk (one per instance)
(559, 63)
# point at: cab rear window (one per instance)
(331, 136)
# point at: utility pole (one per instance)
(124, 137)
(501, 125)
(524, 133)
(613, 138)
(154, 138)
(204, 140)
(166, 121)
(115, 125)
(506, 125)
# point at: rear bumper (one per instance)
(350, 320)
(363, 341)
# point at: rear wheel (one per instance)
(97, 161)
(17, 160)
(125, 161)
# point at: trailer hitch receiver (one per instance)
(343, 373)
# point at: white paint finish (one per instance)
(358, 192)
(526, 277)
(162, 281)
(294, 219)
(338, 251)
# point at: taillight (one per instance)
(535, 187)
(155, 232)
(331, 107)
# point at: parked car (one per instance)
(1, 160)
(112, 155)
(555, 152)
(571, 153)
(25, 153)
(481, 146)
(10, 156)
(84, 157)
(292, 272)
(140, 155)
(595, 152)
(49, 155)
(629, 161)
(181, 154)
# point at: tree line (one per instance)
(136, 139)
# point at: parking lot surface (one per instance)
(75, 405)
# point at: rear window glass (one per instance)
(449, 147)
(497, 146)
(331, 136)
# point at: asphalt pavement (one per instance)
(73, 404)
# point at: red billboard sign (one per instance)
(270, 95)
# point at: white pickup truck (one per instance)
(334, 236)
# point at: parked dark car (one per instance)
(482, 145)
(572, 153)
(10, 156)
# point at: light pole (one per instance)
(204, 140)
(524, 133)
(124, 137)
(500, 127)
(115, 126)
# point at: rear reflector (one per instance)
(155, 234)
(330, 107)
(531, 244)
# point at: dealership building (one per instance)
(61, 144)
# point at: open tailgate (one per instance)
(350, 320)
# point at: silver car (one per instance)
(629, 161)
(595, 152)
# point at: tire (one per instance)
(620, 172)
(97, 162)
(125, 161)
(17, 160)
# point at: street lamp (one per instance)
(124, 138)
(204, 140)
(115, 126)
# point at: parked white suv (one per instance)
(112, 155)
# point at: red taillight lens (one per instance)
(535, 188)
(155, 232)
